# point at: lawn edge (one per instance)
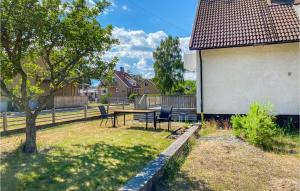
(147, 178)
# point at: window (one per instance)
(146, 83)
(117, 90)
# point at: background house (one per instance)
(91, 92)
(122, 85)
(246, 51)
(148, 87)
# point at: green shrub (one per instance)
(258, 127)
(104, 99)
(132, 96)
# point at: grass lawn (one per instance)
(219, 161)
(79, 156)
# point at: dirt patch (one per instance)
(177, 132)
(222, 162)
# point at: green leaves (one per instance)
(168, 65)
(53, 43)
(258, 127)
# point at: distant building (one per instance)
(91, 92)
(122, 85)
(148, 87)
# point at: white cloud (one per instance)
(90, 3)
(141, 64)
(111, 8)
(149, 75)
(124, 7)
(127, 67)
(136, 47)
(135, 43)
(184, 44)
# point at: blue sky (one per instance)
(174, 17)
(141, 24)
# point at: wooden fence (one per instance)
(118, 100)
(70, 101)
(180, 102)
(16, 120)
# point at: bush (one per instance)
(104, 99)
(258, 127)
(132, 96)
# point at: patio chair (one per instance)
(105, 115)
(165, 115)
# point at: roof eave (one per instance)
(194, 25)
(246, 45)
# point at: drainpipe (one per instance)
(201, 86)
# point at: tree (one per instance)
(138, 77)
(168, 64)
(187, 87)
(49, 41)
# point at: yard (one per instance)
(219, 161)
(80, 156)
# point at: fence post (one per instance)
(123, 104)
(85, 111)
(5, 121)
(53, 115)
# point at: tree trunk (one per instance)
(30, 143)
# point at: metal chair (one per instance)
(105, 115)
(165, 115)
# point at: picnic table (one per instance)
(135, 111)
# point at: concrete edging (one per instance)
(146, 179)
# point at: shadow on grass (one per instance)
(183, 182)
(144, 129)
(99, 166)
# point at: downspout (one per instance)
(201, 87)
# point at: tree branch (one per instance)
(9, 94)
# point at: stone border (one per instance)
(146, 179)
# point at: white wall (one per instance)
(235, 77)
(297, 8)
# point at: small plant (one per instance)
(209, 127)
(104, 99)
(288, 125)
(225, 124)
(132, 96)
(258, 127)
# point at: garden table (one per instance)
(136, 111)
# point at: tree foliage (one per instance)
(257, 127)
(168, 64)
(50, 42)
(187, 87)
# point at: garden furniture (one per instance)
(135, 111)
(165, 116)
(105, 115)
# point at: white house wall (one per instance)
(235, 77)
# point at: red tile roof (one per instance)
(232, 23)
(125, 77)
